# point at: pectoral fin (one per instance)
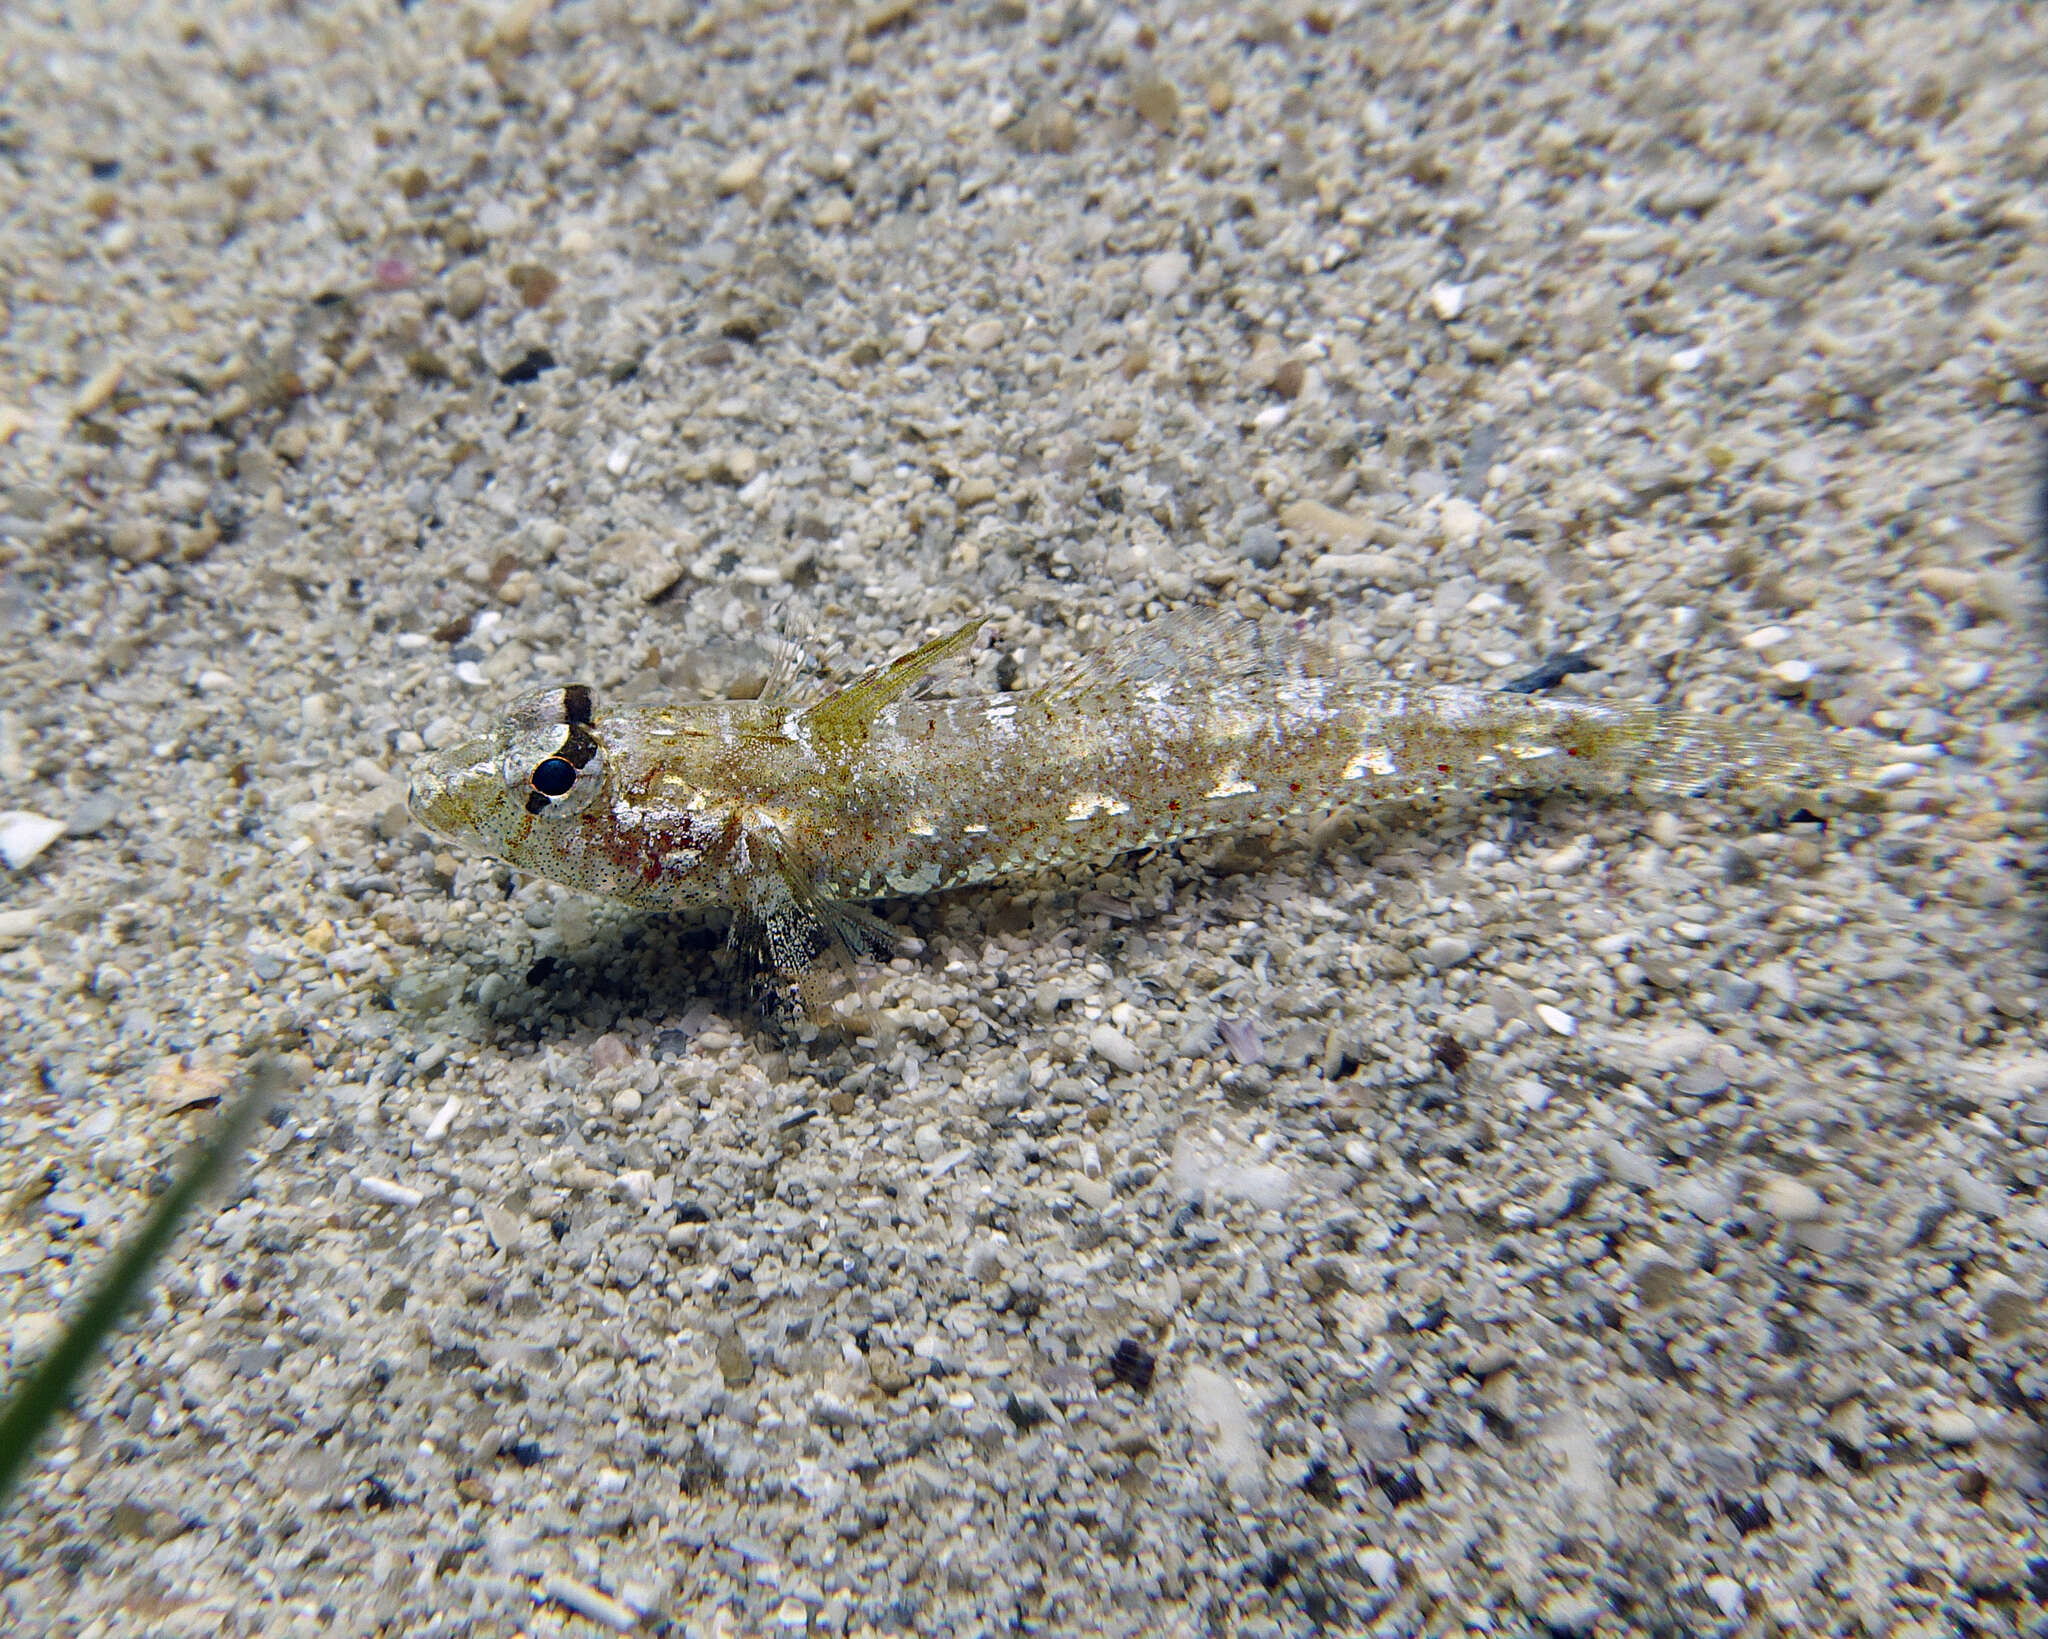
(840, 722)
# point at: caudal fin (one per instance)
(1687, 754)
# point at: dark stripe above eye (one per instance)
(579, 747)
(576, 707)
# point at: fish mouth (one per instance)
(444, 790)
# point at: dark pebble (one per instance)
(1746, 1514)
(1549, 674)
(671, 1044)
(527, 368)
(1402, 1485)
(1131, 1363)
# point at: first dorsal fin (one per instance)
(841, 721)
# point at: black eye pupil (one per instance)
(554, 777)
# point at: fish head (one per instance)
(567, 792)
(512, 792)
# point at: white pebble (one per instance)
(20, 924)
(1446, 950)
(983, 334)
(1688, 358)
(1790, 1201)
(1215, 1405)
(30, 1333)
(626, 1103)
(1164, 273)
(24, 835)
(1965, 675)
(1766, 637)
(1564, 861)
(1980, 1195)
(740, 173)
(1530, 1093)
(385, 1191)
(1779, 979)
(585, 1600)
(444, 1118)
(1630, 1166)
(930, 1142)
(620, 458)
(1447, 300)
(1951, 1426)
(1381, 1569)
(1461, 521)
(642, 1596)
(1891, 774)
(1556, 1020)
(1794, 672)
(1116, 1047)
(1727, 1594)
(1477, 1023)
(952, 1158)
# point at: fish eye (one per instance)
(555, 773)
(554, 777)
(553, 763)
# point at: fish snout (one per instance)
(427, 797)
(442, 792)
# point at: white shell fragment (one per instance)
(388, 1193)
(24, 835)
(585, 1600)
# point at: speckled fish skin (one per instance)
(787, 813)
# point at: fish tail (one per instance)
(1680, 753)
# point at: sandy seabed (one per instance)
(1569, 1218)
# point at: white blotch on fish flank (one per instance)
(1090, 803)
(1372, 759)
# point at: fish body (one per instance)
(791, 814)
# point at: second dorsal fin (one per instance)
(840, 721)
